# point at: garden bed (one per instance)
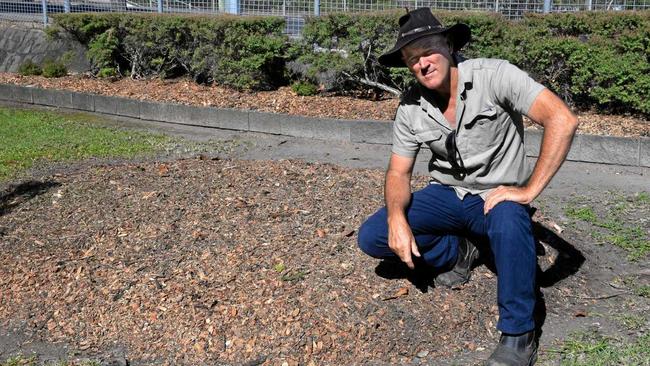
(210, 261)
(283, 100)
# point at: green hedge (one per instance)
(592, 60)
(595, 59)
(241, 52)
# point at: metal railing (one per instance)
(37, 11)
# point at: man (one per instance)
(469, 113)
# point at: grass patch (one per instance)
(294, 276)
(28, 137)
(582, 213)
(643, 291)
(21, 360)
(630, 321)
(614, 222)
(594, 349)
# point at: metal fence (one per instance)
(37, 11)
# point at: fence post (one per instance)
(44, 7)
(66, 6)
(496, 6)
(589, 5)
(160, 6)
(547, 6)
(316, 7)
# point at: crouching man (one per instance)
(469, 113)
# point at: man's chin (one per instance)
(430, 84)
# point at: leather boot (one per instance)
(462, 270)
(520, 350)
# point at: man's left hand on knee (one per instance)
(507, 193)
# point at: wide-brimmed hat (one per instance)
(417, 24)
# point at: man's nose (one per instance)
(423, 63)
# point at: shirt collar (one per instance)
(465, 76)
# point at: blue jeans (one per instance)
(437, 218)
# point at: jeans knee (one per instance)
(507, 215)
(366, 238)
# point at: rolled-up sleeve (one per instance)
(515, 88)
(404, 142)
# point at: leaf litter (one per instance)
(201, 261)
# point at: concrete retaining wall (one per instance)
(19, 43)
(587, 148)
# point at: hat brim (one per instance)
(460, 34)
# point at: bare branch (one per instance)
(374, 84)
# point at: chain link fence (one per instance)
(36, 12)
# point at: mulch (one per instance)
(283, 100)
(209, 261)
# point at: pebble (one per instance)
(423, 354)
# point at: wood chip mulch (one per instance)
(283, 100)
(203, 261)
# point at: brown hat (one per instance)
(417, 24)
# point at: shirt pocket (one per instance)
(433, 139)
(483, 130)
(485, 117)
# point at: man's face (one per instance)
(429, 62)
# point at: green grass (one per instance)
(28, 137)
(614, 225)
(630, 321)
(280, 267)
(594, 349)
(294, 276)
(21, 360)
(643, 291)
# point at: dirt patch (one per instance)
(203, 261)
(284, 100)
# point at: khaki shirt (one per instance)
(492, 96)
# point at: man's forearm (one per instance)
(556, 142)
(397, 193)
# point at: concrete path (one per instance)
(573, 177)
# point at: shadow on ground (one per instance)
(18, 194)
(567, 261)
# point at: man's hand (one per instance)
(402, 242)
(506, 193)
(398, 195)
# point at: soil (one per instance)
(213, 260)
(284, 100)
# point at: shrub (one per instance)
(107, 72)
(340, 51)
(103, 51)
(29, 68)
(591, 59)
(241, 52)
(595, 59)
(303, 88)
(54, 69)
